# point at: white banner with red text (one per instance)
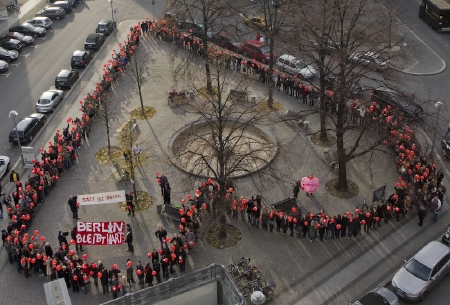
(100, 233)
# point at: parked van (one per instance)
(436, 13)
(257, 50)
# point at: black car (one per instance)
(228, 41)
(81, 58)
(74, 3)
(26, 40)
(52, 13)
(64, 5)
(11, 44)
(27, 128)
(8, 55)
(28, 29)
(94, 41)
(105, 27)
(385, 96)
(66, 78)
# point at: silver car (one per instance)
(379, 296)
(371, 59)
(49, 100)
(42, 22)
(422, 272)
(3, 66)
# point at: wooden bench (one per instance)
(118, 172)
(238, 95)
(331, 156)
(171, 212)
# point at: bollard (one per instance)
(253, 99)
(191, 95)
(305, 125)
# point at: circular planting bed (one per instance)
(233, 236)
(145, 201)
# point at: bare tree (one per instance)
(106, 110)
(224, 142)
(137, 72)
(275, 14)
(335, 32)
(127, 138)
(205, 16)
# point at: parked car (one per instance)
(355, 88)
(105, 27)
(66, 78)
(446, 236)
(25, 39)
(376, 61)
(94, 41)
(257, 50)
(296, 66)
(52, 13)
(228, 41)
(190, 27)
(4, 165)
(42, 22)
(49, 100)
(385, 96)
(65, 5)
(11, 44)
(378, 296)
(74, 3)
(422, 272)
(4, 66)
(27, 128)
(256, 21)
(8, 55)
(81, 58)
(28, 29)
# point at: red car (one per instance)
(257, 50)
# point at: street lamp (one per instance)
(438, 105)
(13, 114)
(112, 13)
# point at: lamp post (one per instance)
(13, 114)
(438, 105)
(112, 13)
(153, 4)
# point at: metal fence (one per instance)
(227, 292)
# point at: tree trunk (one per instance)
(208, 77)
(323, 117)
(271, 86)
(141, 99)
(107, 131)
(342, 158)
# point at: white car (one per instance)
(49, 100)
(42, 22)
(296, 66)
(4, 165)
(370, 59)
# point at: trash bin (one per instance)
(305, 125)
(336, 169)
(253, 99)
(158, 208)
(191, 95)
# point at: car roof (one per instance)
(387, 90)
(64, 73)
(431, 253)
(61, 2)
(36, 115)
(78, 52)
(24, 123)
(15, 41)
(92, 36)
(40, 18)
(256, 43)
(47, 95)
(104, 21)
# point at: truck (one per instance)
(436, 13)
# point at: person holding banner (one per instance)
(73, 206)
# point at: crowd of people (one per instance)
(32, 255)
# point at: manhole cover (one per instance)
(77, 169)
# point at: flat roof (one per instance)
(441, 4)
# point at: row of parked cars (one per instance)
(49, 100)
(24, 34)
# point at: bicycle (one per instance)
(249, 274)
(251, 286)
(268, 290)
(232, 268)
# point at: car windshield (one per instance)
(44, 102)
(90, 40)
(400, 100)
(77, 58)
(3, 51)
(234, 39)
(28, 26)
(300, 64)
(18, 36)
(265, 49)
(102, 26)
(62, 79)
(418, 269)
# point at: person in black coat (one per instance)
(73, 235)
(62, 237)
(129, 239)
(161, 234)
(422, 213)
(157, 270)
(104, 280)
(165, 266)
(73, 206)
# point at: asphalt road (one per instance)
(35, 70)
